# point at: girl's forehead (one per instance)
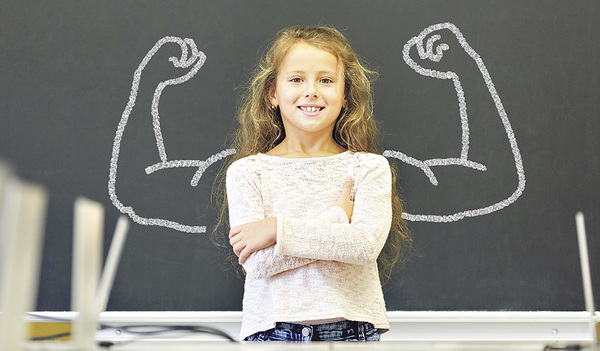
(304, 55)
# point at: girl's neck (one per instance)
(290, 149)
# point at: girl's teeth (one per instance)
(311, 109)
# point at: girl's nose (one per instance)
(311, 91)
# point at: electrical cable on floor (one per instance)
(143, 330)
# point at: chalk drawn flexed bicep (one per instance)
(431, 45)
(190, 61)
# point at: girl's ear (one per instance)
(272, 96)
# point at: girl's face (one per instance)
(309, 91)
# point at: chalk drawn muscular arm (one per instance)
(193, 60)
(431, 50)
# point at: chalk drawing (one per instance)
(435, 52)
(427, 50)
(193, 60)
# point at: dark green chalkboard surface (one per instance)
(490, 110)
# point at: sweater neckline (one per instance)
(302, 159)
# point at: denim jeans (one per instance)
(336, 331)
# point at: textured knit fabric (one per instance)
(322, 267)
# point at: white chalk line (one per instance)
(195, 60)
(436, 54)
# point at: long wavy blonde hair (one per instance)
(261, 128)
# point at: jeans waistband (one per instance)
(319, 328)
(336, 331)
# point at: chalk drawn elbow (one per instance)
(413, 162)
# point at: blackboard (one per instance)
(497, 232)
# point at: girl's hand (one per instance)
(344, 201)
(248, 238)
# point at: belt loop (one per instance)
(361, 331)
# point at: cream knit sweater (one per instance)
(322, 266)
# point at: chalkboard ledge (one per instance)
(484, 326)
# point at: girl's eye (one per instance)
(295, 80)
(326, 80)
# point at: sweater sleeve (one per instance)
(245, 205)
(357, 242)
(267, 262)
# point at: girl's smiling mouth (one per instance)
(310, 109)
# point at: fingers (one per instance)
(345, 201)
(235, 240)
(347, 189)
(239, 245)
(238, 248)
(234, 231)
(253, 236)
(242, 251)
(244, 255)
(233, 237)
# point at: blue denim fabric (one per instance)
(336, 331)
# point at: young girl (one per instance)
(311, 202)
